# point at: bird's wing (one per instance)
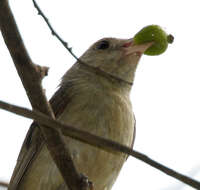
(34, 142)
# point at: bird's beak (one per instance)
(137, 49)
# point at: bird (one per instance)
(94, 96)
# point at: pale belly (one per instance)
(113, 121)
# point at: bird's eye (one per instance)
(103, 45)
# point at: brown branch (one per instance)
(3, 184)
(97, 141)
(31, 80)
(54, 33)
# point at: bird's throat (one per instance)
(109, 76)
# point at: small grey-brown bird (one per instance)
(93, 96)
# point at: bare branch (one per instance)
(3, 184)
(97, 141)
(65, 44)
(54, 33)
(31, 80)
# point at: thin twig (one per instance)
(97, 141)
(54, 33)
(97, 70)
(3, 184)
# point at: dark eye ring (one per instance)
(103, 45)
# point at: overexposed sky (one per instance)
(166, 92)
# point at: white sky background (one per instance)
(166, 92)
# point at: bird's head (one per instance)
(116, 58)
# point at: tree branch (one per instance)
(97, 141)
(54, 33)
(69, 49)
(3, 184)
(31, 80)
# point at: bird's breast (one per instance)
(108, 115)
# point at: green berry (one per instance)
(153, 33)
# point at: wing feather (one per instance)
(33, 141)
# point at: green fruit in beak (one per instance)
(153, 33)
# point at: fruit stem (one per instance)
(170, 39)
